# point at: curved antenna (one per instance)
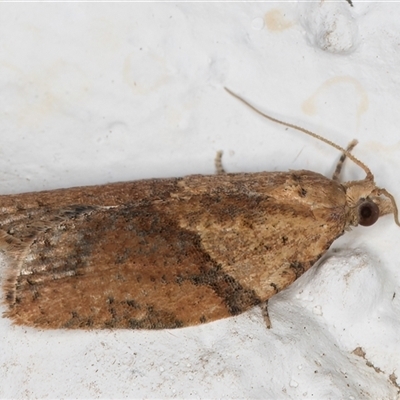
(307, 132)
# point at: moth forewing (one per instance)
(213, 247)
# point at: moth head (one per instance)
(367, 202)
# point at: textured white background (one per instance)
(100, 92)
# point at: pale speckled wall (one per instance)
(100, 92)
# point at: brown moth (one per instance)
(169, 253)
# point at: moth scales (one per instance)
(170, 253)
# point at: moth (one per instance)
(170, 253)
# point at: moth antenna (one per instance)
(394, 205)
(368, 172)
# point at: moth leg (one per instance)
(342, 159)
(219, 169)
(265, 314)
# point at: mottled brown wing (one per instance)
(164, 253)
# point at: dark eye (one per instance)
(368, 213)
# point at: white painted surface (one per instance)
(99, 92)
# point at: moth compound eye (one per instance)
(368, 213)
